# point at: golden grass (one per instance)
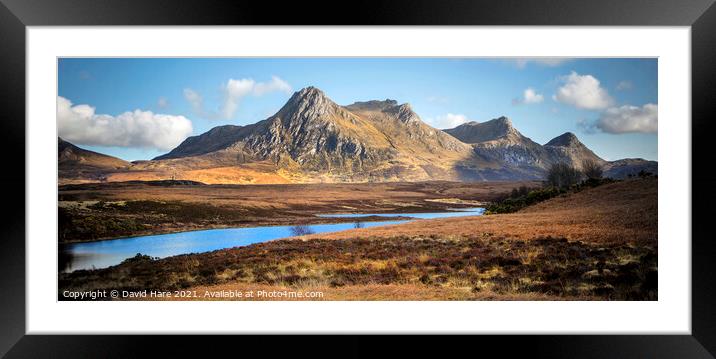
(366, 292)
(233, 175)
(616, 212)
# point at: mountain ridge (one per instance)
(313, 139)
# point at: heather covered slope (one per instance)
(77, 165)
(70, 156)
(621, 212)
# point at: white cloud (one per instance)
(163, 102)
(529, 96)
(234, 91)
(145, 129)
(624, 85)
(448, 120)
(583, 91)
(542, 61)
(275, 85)
(626, 119)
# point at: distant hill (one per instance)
(567, 148)
(84, 165)
(70, 156)
(313, 139)
(630, 167)
(498, 140)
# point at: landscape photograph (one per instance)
(357, 179)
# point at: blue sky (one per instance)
(140, 108)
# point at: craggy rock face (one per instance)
(498, 141)
(319, 136)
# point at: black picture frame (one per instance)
(16, 15)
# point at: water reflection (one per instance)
(301, 230)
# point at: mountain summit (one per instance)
(475, 132)
(567, 148)
(566, 139)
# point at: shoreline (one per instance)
(317, 221)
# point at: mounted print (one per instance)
(357, 178)
(500, 168)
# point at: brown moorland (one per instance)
(597, 244)
(111, 210)
(617, 213)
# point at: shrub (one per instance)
(301, 230)
(519, 199)
(562, 175)
(592, 169)
(644, 174)
(522, 197)
(138, 258)
(520, 191)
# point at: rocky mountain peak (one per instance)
(568, 149)
(476, 132)
(404, 113)
(567, 139)
(503, 120)
(502, 126)
(309, 103)
(308, 96)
